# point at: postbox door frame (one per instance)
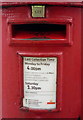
(59, 56)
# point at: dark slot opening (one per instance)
(38, 31)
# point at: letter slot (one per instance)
(49, 31)
(38, 32)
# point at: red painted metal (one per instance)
(0, 68)
(69, 72)
(48, 2)
(82, 66)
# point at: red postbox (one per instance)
(41, 60)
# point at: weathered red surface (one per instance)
(1, 68)
(78, 3)
(70, 72)
(82, 66)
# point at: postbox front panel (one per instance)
(41, 62)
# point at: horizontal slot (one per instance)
(38, 31)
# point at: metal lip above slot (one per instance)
(37, 39)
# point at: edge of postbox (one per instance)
(59, 3)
